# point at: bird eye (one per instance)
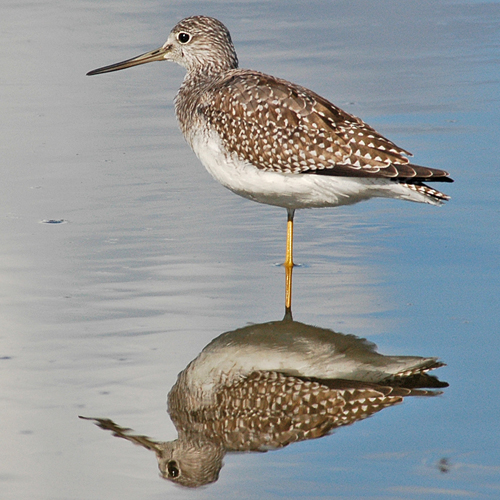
(172, 469)
(183, 37)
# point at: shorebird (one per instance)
(266, 386)
(276, 142)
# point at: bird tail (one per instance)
(417, 378)
(432, 195)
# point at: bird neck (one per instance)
(193, 92)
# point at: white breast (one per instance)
(290, 190)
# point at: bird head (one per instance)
(198, 43)
(190, 463)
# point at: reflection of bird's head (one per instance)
(190, 463)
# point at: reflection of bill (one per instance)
(266, 386)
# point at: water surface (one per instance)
(120, 258)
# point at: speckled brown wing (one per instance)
(267, 410)
(279, 126)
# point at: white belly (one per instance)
(291, 190)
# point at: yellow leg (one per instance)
(289, 240)
(288, 289)
(289, 261)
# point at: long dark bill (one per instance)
(153, 55)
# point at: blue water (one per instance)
(154, 259)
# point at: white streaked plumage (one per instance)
(276, 142)
(294, 349)
(290, 190)
(269, 385)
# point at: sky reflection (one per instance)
(100, 314)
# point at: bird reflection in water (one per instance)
(265, 386)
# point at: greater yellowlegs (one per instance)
(268, 385)
(276, 142)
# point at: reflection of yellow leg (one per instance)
(289, 260)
